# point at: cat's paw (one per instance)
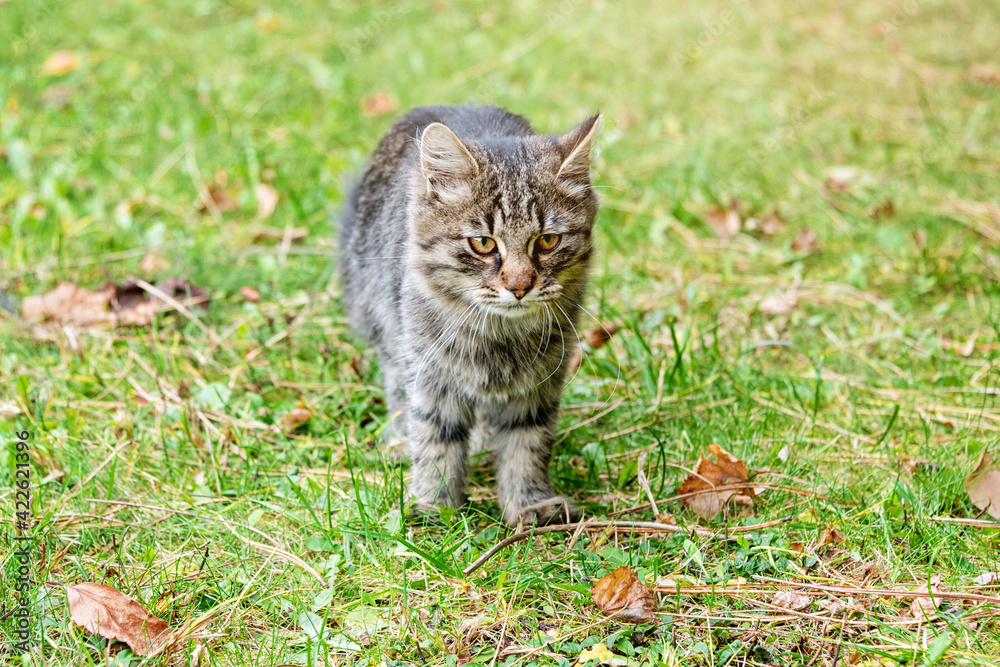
(551, 511)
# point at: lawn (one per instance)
(799, 252)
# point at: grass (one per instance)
(161, 465)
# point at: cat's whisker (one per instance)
(439, 343)
(614, 346)
(562, 339)
(579, 344)
(542, 338)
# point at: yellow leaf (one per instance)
(598, 652)
(61, 62)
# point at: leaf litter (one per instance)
(710, 479)
(621, 594)
(105, 611)
(983, 486)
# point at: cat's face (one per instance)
(504, 225)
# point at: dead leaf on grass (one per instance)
(105, 611)
(709, 480)
(153, 263)
(250, 294)
(983, 486)
(267, 200)
(768, 224)
(830, 536)
(218, 198)
(986, 578)
(791, 600)
(598, 336)
(296, 417)
(725, 221)
(806, 240)
(782, 304)
(983, 73)
(378, 104)
(60, 63)
(275, 234)
(125, 304)
(922, 608)
(622, 595)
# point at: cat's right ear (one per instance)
(447, 164)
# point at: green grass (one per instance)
(160, 463)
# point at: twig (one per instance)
(176, 305)
(565, 527)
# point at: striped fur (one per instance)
(472, 342)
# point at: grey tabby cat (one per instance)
(464, 255)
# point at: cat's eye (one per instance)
(483, 245)
(547, 242)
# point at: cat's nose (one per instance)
(519, 283)
(519, 293)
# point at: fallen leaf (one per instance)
(267, 200)
(709, 475)
(107, 612)
(725, 221)
(378, 104)
(791, 600)
(986, 578)
(769, 224)
(622, 595)
(886, 209)
(778, 305)
(667, 519)
(806, 240)
(125, 304)
(296, 417)
(60, 63)
(983, 486)
(598, 336)
(924, 607)
(833, 606)
(250, 294)
(218, 198)
(153, 263)
(830, 536)
(988, 74)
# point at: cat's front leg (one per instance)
(438, 427)
(522, 432)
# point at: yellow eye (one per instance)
(483, 245)
(547, 242)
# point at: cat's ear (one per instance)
(447, 164)
(576, 146)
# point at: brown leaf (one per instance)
(296, 417)
(924, 607)
(791, 600)
(830, 536)
(220, 198)
(778, 305)
(378, 104)
(622, 595)
(275, 234)
(709, 474)
(267, 200)
(598, 336)
(125, 304)
(988, 74)
(60, 63)
(768, 224)
(250, 294)
(104, 611)
(725, 221)
(983, 486)
(153, 263)
(806, 240)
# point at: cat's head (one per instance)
(504, 222)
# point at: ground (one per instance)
(799, 247)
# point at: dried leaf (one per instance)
(791, 600)
(925, 607)
(782, 304)
(275, 234)
(250, 294)
(830, 536)
(598, 336)
(725, 221)
(988, 74)
(769, 224)
(986, 578)
(60, 63)
(806, 240)
(622, 595)
(125, 304)
(267, 200)
(378, 104)
(833, 607)
(153, 263)
(708, 474)
(104, 611)
(983, 486)
(219, 198)
(296, 417)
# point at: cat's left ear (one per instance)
(577, 145)
(447, 164)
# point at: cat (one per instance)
(464, 253)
